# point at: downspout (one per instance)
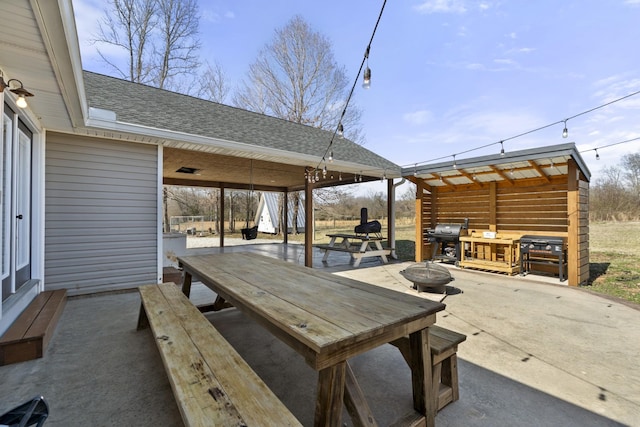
(392, 216)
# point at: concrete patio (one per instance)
(537, 354)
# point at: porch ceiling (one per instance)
(215, 170)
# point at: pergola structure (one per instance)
(540, 191)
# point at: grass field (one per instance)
(614, 252)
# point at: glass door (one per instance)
(15, 203)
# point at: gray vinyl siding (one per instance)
(101, 217)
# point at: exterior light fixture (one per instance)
(565, 131)
(331, 156)
(20, 91)
(455, 166)
(340, 130)
(502, 148)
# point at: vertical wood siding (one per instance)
(100, 214)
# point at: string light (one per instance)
(455, 166)
(367, 79)
(542, 128)
(502, 148)
(609, 145)
(565, 131)
(331, 157)
(340, 176)
(415, 170)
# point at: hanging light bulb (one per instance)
(415, 170)
(340, 130)
(597, 155)
(331, 156)
(360, 179)
(565, 131)
(455, 166)
(502, 148)
(324, 172)
(366, 81)
(340, 176)
(317, 178)
(21, 102)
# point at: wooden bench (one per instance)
(444, 346)
(211, 382)
(29, 335)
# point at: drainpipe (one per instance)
(392, 216)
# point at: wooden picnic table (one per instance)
(358, 245)
(327, 319)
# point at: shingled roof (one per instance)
(216, 128)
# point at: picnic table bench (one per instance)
(212, 384)
(357, 245)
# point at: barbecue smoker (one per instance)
(365, 227)
(543, 250)
(445, 241)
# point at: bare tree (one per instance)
(127, 25)
(177, 44)
(296, 78)
(213, 83)
(159, 37)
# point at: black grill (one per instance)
(445, 241)
(543, 250)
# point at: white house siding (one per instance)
(101, 218)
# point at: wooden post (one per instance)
(308, 224)
(222, 216)
(419, 220)
(391, 217)
(573, 222)
(493, 203)
(284, 221)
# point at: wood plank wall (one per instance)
(536, 206)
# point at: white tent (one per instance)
(267, 217)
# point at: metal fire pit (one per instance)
(428, 275)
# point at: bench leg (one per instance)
(450, 375)
(186, 283)
(143, 320)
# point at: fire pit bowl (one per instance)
(428, 275)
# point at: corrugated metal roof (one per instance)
(542, 162)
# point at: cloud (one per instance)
(441, 6)
(209, 15)
(419, 117)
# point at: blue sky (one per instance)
(452, 75)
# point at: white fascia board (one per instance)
(58, 30)
(164, 135)
(105, 120)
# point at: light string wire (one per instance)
(610, 145)
(355, 82)
(536, 130)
